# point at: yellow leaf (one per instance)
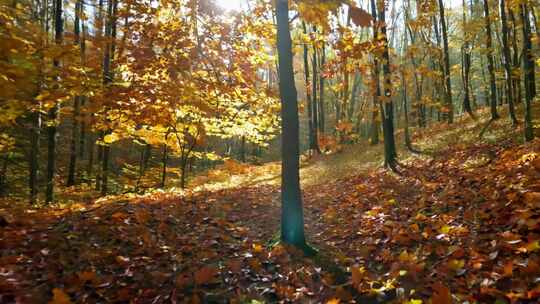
(333, 301)
(59, 297)
(445, 229)
(455, 264)
(257, 248)
(110, 138)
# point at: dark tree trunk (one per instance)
(3, 175)
(34, 155)
(91, 148)
(292, 216)
(316, 73)
(515, 58)
(507, 62)
(309, 97)
(491, 68)
(53, 112)
(320, 107)
(110, 33)
(449, 113)
(82, 135)
(243, 149)
(390, 152)
(164, 159)
(76, 108)
(466, 66)
(408, 142)
(376, 83)
(528, 69)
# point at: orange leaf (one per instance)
(59, 297)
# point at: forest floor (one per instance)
(461, 222)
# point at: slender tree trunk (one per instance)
(292, 216)
(408, 142)
(507, 62)
(53, 112)
(164, 160)
(110, 33)
(316, 72)
(515, 58)
(528, 69)
(3, 175)
(320, 107)
(466, 66)
(376, 103)
(76, 108)
(243, 149)
(309, 97)
(390, 152)
(82, 135)
(448, 86)
(99, 161)
(491, 68)
(34, 155)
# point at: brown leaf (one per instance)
(205, 275)
(360, 17)
(441, 294)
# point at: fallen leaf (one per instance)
(60, 297)
(205, 275)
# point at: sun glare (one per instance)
(231, 5)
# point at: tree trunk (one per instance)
(515, 58)
(390, 152)
(76, 108)
(507, 66)
(320, 107)
(53, 112)
(449, 111)
(292, 216)
(82, 135)
(316, 72)
(376, 84)
(466, 66)
(3, 175)
(243, 149)
(34, 156)
(491, 68)
(164, 165)
(528, 69)
(309, 98)
(110, 33)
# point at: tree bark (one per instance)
(449, 113)
(528, 69)
(76, 108)
(292, 216)
(376, 105)
(309, 96)
(491, 68)
(466, 66)
(320, 107)
(110, 33)
(53, 112)
(390, 152)
(507, 62)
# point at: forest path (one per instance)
(461, 222)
